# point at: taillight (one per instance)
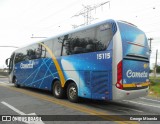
(119, 76)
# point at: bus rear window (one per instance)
(134, 40)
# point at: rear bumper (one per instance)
(136, 85)
(119, 94)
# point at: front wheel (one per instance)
(15, 82)
(58, 91)
(72, 92)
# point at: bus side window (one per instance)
(57, 48)
(81, 42)
(90, 48)
(24, 55)
(19, 57)
(78, 50)
(104, 36)
(40, 51)
(31, 54)
(90, 40)
(49, 44)
(68, 46)
(43, 51)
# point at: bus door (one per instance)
(10, 64)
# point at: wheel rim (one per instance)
(57, 90)
(72, 92)
(15, 80)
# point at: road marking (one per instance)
(150, 99)
(13, 108)
(74, 106)
(141, 103)
(22, 113)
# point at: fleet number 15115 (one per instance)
(103, 56)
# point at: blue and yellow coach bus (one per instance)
(104, 61)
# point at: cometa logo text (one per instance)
(132, 74)
(25, 66)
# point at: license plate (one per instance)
(139, 85)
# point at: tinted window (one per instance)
(90, 40)
(41, 51)
(21, 55)
(35, 51)
(57, 46)
(49, 44)
(31, 52)
(134, 40)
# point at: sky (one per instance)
(22, 19)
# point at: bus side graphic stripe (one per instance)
(48, 70)
(35, 71)
(60, 73)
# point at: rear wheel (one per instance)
(72, 92)
(58, 91)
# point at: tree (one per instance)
(158, 69)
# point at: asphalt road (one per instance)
(36, 103)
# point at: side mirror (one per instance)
(7, 62)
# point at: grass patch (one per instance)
(155, 86)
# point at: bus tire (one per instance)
(58, 91)
(15, 82)
(72, 92)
